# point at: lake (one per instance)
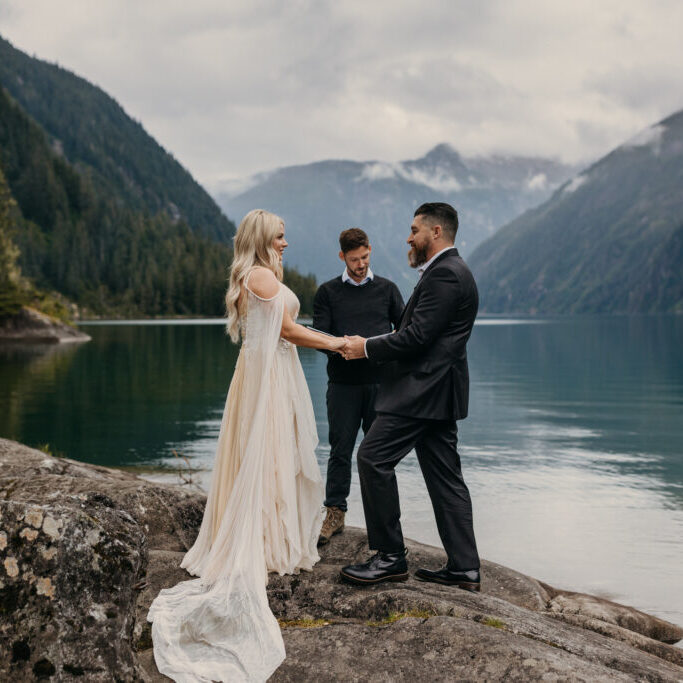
(573, 449)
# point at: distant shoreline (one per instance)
(483, 319)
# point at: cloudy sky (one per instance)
(232, 87)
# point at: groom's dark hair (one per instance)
(442, 214)
(352, 239)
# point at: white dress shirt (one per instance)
(421, 270)
(347, 278)
(426, 265)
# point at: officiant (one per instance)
(356, 302)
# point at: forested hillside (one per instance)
(94, 134)
(608, 241)
(112, 248)
(103, 255)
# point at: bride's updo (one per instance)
(253, 246)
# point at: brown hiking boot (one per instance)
(333, 524)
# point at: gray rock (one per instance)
(66, 592)
(566, 603)
(115, 540)
(32, 326)
(74, 542)
(169, 516)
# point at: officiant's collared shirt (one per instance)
(348, 279)
(421, 270)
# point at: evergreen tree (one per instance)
(110, 258)
(10, 273)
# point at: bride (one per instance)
(264, 507)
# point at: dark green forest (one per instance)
(76, 229)
(92, 131)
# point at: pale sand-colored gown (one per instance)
(263, 513)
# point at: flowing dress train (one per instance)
(263, 513)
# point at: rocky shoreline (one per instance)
(33, 327)
(84, 550)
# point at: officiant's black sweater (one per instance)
(341, 308)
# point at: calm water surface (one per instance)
(573, 450)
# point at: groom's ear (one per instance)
(341, 255)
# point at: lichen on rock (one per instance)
(11, 567)
(28, 534)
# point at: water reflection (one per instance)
(123, 398)
(28, 371)
(573, 448)
(605, 385)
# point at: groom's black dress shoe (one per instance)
(380, 567)
(469, 580)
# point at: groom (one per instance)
(424, 391)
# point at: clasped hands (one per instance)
(352, 347)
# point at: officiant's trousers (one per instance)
(349, 407)
(388, 441)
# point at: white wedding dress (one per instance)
(263, 513)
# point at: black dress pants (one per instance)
(349, 406)
(389, 440)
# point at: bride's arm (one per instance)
(302, 336)
(265, 285)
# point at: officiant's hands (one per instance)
(354, 348)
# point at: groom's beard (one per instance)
(417, 256)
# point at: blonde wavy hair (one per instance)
(253, 246)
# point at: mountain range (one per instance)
(320, 199)
(95, 209)
(610, 240)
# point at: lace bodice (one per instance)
(251, 323)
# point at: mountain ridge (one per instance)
(609, 240)
(69, 230)
(93, 132)
(319, 199)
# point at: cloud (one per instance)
(575, 183)
(235, 88)
(648, 137)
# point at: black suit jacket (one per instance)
(426, 375)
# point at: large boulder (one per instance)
(74, 549)
(85, 549)
(508, 631)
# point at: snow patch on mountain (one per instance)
(537, 182)
(436, 179)
(575, 183)
(378, 171)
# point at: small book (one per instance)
(315, 329)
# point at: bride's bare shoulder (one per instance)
(262, 282)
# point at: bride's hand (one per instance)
(338, 344)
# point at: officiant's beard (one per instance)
(417, 256)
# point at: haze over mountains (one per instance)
(320, 199)
(608, 241)
(106, 216)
